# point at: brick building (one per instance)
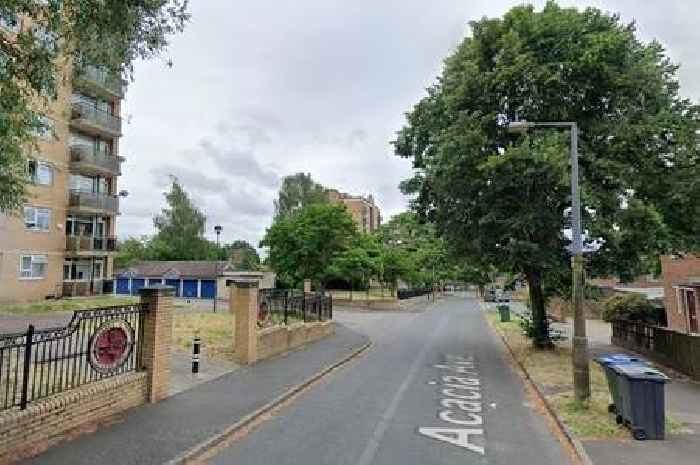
(681, 277)
(364, 210)
(62, 241)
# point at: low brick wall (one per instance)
(24, 433)
(280, 339)
(384, 304)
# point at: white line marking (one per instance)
(370, 451)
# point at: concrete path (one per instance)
(682, 404)
(156, 433)
(397, 404)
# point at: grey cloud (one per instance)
(320, 88)
(239, 164)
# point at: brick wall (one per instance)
(24, 433)
(280, 339)
(677, 271)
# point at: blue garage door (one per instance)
(189, 288)
(174, 283)
(152, 282)
(122, 285)
(137, 284)
(208, 289)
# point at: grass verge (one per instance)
(215, 330)
(551, 370)
(66, 305)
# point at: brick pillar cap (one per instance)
(157, 289)
(244, 283)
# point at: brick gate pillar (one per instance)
(157, 339)
(243, 303)
(307, 286)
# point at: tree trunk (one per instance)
(540, 328)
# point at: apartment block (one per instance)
(364, 210)
(61, 243)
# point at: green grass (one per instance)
(215, 329)
(65, 305)
(552, 371)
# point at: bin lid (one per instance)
(619, 359)
(640, 372)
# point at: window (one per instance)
(97, 270)
(37, 218)
(45, 130)
(79, 270)
(40, 173)
(10, 23)
(46, 39)
(33, 266)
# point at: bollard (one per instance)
(196, 343)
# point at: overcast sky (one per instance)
(261, 89)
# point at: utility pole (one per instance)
(582, 377)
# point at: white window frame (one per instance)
(28, 273)
(38, 166)
(37, 210)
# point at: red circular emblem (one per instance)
(110, 346)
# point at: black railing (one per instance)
(286, 306)
(95, 344)
(410, 293)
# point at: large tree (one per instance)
(304, 245)
(110, 34)
(298, 191)
(500, 199)
(242, 255)
(180, 229)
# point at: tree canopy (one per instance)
(180, 228)
(502, 200)
(303, 245)
(242, 255)
(298, 191)
(108, 34)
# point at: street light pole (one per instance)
(582, 378)
(218, 230)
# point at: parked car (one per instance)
(504, 296)
(490, 295)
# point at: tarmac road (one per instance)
(435, 388)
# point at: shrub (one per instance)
(630, 307)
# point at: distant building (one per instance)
(364, 210)
(682, 292)
(190, 279)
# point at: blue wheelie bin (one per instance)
(643, 403)
(607, 361)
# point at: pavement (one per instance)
(157, 433)
(682, 404)
(393, 405)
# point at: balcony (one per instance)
(86, 160)
(92, 120)
(92, 202)
(90, 245)
(99, 82)
(84, 288)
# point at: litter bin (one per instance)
(643, 405)
(607, 362)
(504, 311)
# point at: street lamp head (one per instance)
(519, 127)
(218, 229)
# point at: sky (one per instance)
(260, 89)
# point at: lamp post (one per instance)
(582, 381)
(218, 230)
